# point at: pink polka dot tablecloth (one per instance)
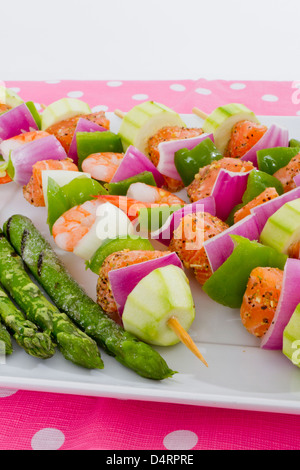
(41, 421)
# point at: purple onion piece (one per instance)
(135, 162)
(124, 280)
(83, 125)
(23, 158)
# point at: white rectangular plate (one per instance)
(240, 375)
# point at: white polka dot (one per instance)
(140, 97)
(177, 87)
(298, 113)
(52, 82)
(114, 83)
(180, 440)
(99, 107)
(16, 89)
(47, 439)
(38, 106)
(203, 91)
(237, 86)
(5, 392)
(269, 98)
(75, 94)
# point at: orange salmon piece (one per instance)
(187, 242)
(204, 181)
(64, 130)
(244, 135)
(265, 196)
(286, 174)
(167, 134)
(261, 299)
(102, 166)
(33, 191)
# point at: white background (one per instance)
(154, 39)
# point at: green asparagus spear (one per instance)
(6, 347)
(36, 343)
(68, 296)
(74, 344)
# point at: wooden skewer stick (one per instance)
(119, 113)
(199, 113)
(185, 338)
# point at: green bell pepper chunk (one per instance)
(82, 189)
(152, 218)
(257, 182)
(230, 218)
(62, 198)
(188, 162)
(271, 160)
(56, 201)
(35, 114)
(294, 143)
(120, 188)
(110, 246)
(95, 142)
(228, 283)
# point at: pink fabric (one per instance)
(265, 98)
(36, 420)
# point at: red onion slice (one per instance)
(220, 247)
(135, 162)
(124, 280)
(275, 136)
(165, 233)
(264, 211)
(24, 157)
(288, 301)
(167, 150)
(16, 121)
(228, 191)
(83, 125)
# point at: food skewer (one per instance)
(124, 303)
(199, 113)
(185, 338)
(173, 322)
(119, 113)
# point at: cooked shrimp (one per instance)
(149, 196)
(204, 181)
(14, 142)
(33, 192)
(4, 107)
(71, 227)
(286, 174)
(117, 260)
(261, 299)
(4, 178)
(145, 193)
(266, 195)
(102, 166)
(130, 206)
(64, 130)
(193, 230)
(244, 135)
(166, 134)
